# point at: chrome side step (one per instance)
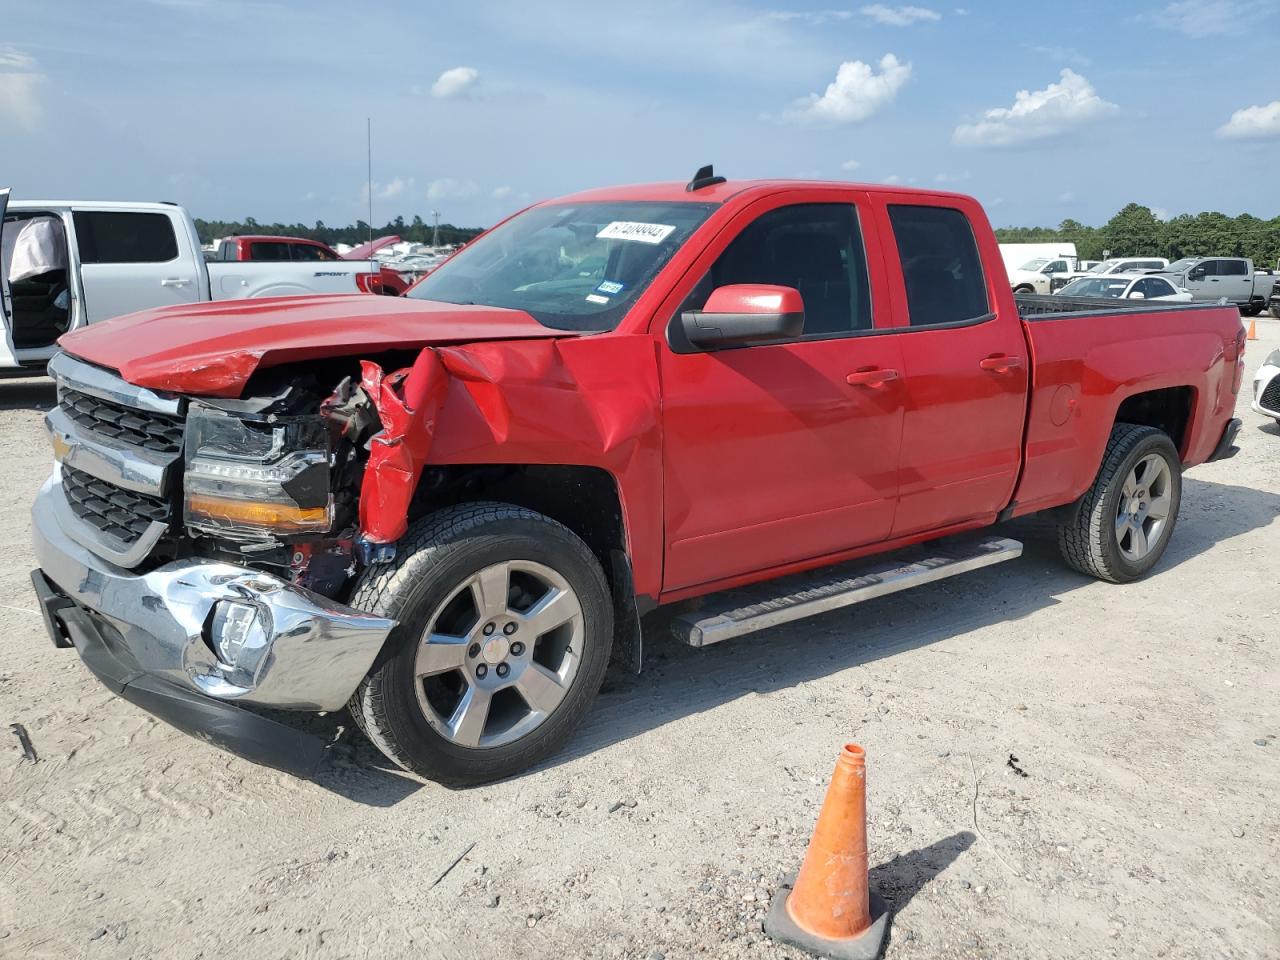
(768, 604)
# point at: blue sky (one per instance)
(238, 108)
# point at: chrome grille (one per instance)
(132, 427)
(121, 451)
(111, 510)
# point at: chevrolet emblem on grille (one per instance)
(61, 446)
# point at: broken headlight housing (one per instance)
(253, 480)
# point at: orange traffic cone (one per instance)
(828, 909)
(1253, 329)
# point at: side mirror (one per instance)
(743, 313)
(1197, 274)
(1137, 295)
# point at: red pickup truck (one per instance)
(449, 511)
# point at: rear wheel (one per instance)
(1251, 309)
(1275, 312)
(1121, 526)
(505, 630)
(1024, 289)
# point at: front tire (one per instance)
(1121, 526)
(505, 631)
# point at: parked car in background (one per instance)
(81, 262)
(1216, 278)
(301, 250)
(1266, 387)
(1106, 267)
(1273, 299)
(1015, 255)
(1125, 286)
(447, 510)
(1037, 275)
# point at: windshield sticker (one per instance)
(596, 298)
(610, 287)
(639, 232)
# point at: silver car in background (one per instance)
(1125, 286)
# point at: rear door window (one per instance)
(1232, 268)
(270, 250)
(110, 237)
(940, 265)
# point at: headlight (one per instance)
(245, 478)
(1273, 359)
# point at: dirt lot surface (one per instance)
(1145, 719)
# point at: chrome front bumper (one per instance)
(316, 651)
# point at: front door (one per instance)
(965, 374)
(785, 451)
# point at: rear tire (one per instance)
(1121, 526)
(1275, 312)
(1024, 289)
(1251, 309)
(505, 632)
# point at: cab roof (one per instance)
(676, 192)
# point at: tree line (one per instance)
(416, 230)
(1135, 231)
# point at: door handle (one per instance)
(998, 363)
(873, 377)
(175, 282)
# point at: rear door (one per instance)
(6, 342)
(965, 367)
(1235, 279)
(132, 260)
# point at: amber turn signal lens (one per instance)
(277, 516)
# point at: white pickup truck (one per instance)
(1217, 278)
(65, 264)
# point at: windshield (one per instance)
(1096, 287)
(1106, 266)
(1031, 266)
(570, 266)
(1179, 265)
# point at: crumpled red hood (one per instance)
(211, 349)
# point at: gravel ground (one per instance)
(1145, 719)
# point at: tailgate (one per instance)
(241, 279)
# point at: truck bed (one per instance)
(1034, 306)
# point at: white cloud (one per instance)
(899, 16)
(1207, 18)
(394, 188)
(856, 93)
(1253, 123)
(1160, 213)
(892, 178)
(850, 165)
(500, 193)
(813, 18)
(1037, 115)
(456, 82)
(448, 188)
(951, 177)
(19, 87)
(1066, 197)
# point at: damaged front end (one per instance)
(197, 552)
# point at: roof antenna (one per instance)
(705, 177)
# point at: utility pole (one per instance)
(435, 228)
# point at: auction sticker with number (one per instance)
(639, 232)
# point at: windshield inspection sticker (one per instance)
(639, 232)
(596, 298)
(610, 287)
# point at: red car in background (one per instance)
(253, 247)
